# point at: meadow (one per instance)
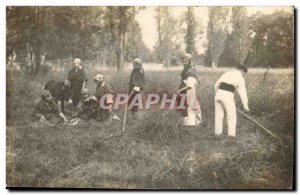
(155, 152)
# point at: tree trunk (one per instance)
(215, 63)
(103, 63)
(37, 47)
(121, 51)
(97, 59)
(30, 59)
(37, 60)
(58, 65)
(70, 61)
(31, 62)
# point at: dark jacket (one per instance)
(137, 79)
(188, 71)
(102, 90)
(47, 109)
(76, 79)
(87, 109)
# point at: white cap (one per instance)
(99, 77)
(77, 61)
(137, 61)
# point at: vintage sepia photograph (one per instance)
(150, 97)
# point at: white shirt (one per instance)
(235, 78)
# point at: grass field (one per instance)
(156, 151)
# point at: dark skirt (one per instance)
(136, 108)
(76, 87)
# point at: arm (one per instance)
(38, 116)
(63, 116)
(109, 101)
(37, 113)
(79, 106)
(56, 111)
(217, 84)
(83, 85)
(190, 83)
(182, 89)
(241, 89)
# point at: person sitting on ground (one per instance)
(46, 110)
(87, 106)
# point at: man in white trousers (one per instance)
(224, 99)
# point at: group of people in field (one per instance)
(86, 106)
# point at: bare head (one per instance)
(186, 59)
(137, 63)
(46, 96)
(77, 62)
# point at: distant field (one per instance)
(155, 152)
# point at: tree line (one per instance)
(112, 36)
(258, 41)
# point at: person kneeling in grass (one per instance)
(46, 111)
(104, 97)
(87, 106)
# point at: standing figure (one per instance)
(224, 99)
(77, 80)
(46, 110)
(136, 86)
(104, 99)
(191, 111)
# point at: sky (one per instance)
(147, 22)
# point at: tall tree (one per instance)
(135, 46)
(166, 25)
(241, 36)
(273, 44)
(27, 26)
(190, 36)
(217, 31)
(117, 21)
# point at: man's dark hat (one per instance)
(242, 67)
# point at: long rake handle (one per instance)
(125, 113)
(262, 127)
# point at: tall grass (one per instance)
(156, 151)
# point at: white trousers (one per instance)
(224, 102)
